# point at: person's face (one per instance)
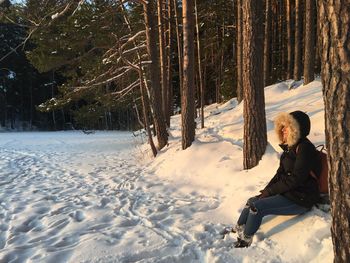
(285, 132)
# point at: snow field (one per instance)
(71, 197)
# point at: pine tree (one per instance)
(309, 45)
(298, 40)
(335, 15)
(155, 88)
(255, 138)
(187, 99)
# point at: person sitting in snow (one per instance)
(292, 191)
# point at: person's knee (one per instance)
(251, 206)
(253, 209)
(251, 201)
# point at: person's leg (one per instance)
(245, 212)
(273, 205)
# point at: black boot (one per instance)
(243, 242)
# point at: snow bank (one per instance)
(213, 165)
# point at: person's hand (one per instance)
(263, 194)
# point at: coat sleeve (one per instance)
(298, 176)
(276, 177)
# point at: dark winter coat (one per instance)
(293, 179)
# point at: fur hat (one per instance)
(298, 123)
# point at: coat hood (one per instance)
(298, 123)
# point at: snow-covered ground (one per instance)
(71, 197)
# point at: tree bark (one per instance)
(170, 110)
(281, 23)
(145, 107)
(155, 91)
(255, 138)
(289, 40)
(309, 46)
(335, 59)
(200, 68)
(318, 42)
(267, 44)
(239, 52)
(298, 40)
(179, 47)
(143, 89)
(162, 57)
(187, 98)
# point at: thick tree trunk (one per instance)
(290, 61)
(309, 45)
(155, 91)
(255, 138)
(187, 98)
(239, 51)
(298, 40)
(267, 44)
(335, 58)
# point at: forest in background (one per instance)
(76, 66)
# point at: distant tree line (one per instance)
(85, 54)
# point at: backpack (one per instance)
(322, 177)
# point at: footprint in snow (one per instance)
(77, 216)
(104, 201)
(225, 158)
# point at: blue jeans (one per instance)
(256, 209)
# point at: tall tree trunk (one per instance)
(52, 96)
(170, 67)
(289, 40)
(255, 138)
(267, 43)
(281, 22)
(335, 58)
(145, 107)
(298, 40)
(222, 54)
(155, 91)
(162, 57)
(179, 47)
(239, 51)
(187, 99)
(218, 65)
(274, 41)
(31, 100)
(199, 67)
(309, 45)
(318, 42)
(143, 88)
